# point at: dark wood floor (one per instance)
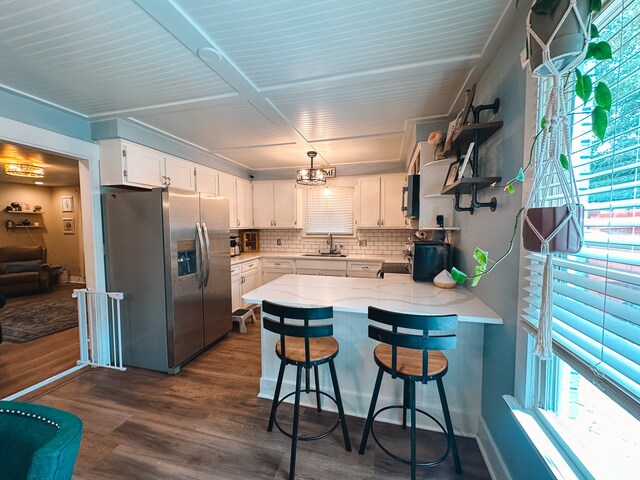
(207, 423)
(25, 364)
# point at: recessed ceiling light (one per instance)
(39, 183)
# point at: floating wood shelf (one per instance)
(465, 185)
(23, 212)
(465, 136)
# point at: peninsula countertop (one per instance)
(245, 257)
(394, 292)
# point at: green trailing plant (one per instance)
(583, 89)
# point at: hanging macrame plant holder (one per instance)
(554, 229)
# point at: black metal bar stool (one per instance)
(412, 358)
(304, 346)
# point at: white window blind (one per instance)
(329, 210)
(596, 311)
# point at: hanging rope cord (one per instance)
(549, 172)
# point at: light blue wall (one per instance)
(33, 112)
(501, 155)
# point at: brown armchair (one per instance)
(23, 269)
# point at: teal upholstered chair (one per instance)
(37, 442)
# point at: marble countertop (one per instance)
(373, 258)
(394, 292)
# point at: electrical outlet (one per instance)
(362, 243)
(278, 242)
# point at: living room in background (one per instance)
(587, 396)
(41, 262)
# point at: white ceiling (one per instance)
(256, 82)
(58, 171)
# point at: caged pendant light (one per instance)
(311, 176)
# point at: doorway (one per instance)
(41, 261)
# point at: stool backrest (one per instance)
(287, 329)
(427, 339)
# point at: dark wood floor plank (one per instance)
(207, 423)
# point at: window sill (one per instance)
(558, 465)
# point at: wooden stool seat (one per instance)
(409, 361)
(321, 348)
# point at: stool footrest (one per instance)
(307, 438)
(429, 463)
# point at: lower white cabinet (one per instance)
(245, 276)
(327, 268)
(363, 269)
(275, 268)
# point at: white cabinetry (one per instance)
(363, 269)
(274, 204)
(179, 173)
(327, 268)
(244, 203)
(206, 180)
(432, 176)
(126, 163)
(380, 201)
(245, 277)
(273, 268)
(240, 195)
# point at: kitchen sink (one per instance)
(324, 254)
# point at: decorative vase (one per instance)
(558, 42)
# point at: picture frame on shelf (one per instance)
(468, 105)
(452, 174)
(466, 160)
(68, 226)
(449, 139)
(67, 203)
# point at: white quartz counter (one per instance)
(394, 292)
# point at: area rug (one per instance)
(26, 318)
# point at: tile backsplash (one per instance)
(379, 242)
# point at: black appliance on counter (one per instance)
(411, 197)
(428, 258)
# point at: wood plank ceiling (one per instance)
(255, 82)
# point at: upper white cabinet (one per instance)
(275, 204)
(206, 180)
(239, 193)
(179, 173)
(244, 203)
(127, 163)
(380, 201)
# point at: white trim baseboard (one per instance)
(492, 458)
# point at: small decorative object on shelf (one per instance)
(16, 206)
(37, 208)
(436, 139)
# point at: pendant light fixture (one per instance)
(311, 176)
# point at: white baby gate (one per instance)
(100, 328)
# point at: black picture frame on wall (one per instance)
(452, 174)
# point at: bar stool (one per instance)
(304, 346)
(412, 358)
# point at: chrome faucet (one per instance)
(330, 243)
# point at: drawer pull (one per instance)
(364, 268)
(277, 264)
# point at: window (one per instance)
(329, 210)
(596, 327)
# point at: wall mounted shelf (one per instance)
(465, 185)
(23, 212)
(476, 133)
(466, 135)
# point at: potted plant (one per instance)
(560, 37)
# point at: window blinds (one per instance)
(329, 210)
(596, 308)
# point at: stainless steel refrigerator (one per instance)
(168, 250)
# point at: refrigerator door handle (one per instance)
(208, 257)
(200, 255)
